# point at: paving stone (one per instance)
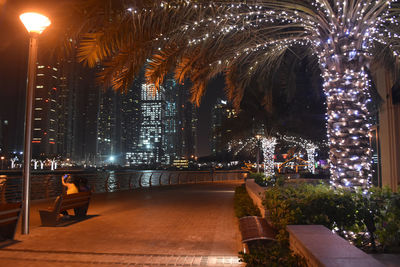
(181, 225)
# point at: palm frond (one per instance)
(201, 39)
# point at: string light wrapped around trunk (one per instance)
(213, 36)
(268, 147)
(310, 148)
(346, 86)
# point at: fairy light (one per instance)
(341, 34)
(310, 148)
(268, 146)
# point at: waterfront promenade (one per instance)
(190, 225)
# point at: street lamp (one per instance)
(258, 152)
(35, 24)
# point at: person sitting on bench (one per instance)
(68, 182)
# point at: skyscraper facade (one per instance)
(167, 127)
(187, 118)
(221, 113)
(131, 117)
(118, 125)
(65, 110)
(78, 108)
(150, 149)
(109, 127)
(45, 114)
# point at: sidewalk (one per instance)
(189, 225)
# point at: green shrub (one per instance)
(379, 211)
(270, 254)
(258, 177)
(243, 204)
(308, 204)
(360, 218)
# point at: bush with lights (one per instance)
(370, 221)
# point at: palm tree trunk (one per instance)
(268, 146)
(346, 87)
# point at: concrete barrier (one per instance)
(320, 247)
(256, 193)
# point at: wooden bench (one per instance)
(9, 215)
(253, 228)
(79, 202)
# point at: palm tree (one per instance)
(247, 39)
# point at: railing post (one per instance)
(169, 178)
(118, 182)
(150, 179)
(178, 178)
(159, 179)
(140, 179)
(106, 182)
(129, 181)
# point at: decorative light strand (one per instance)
(341, 34)
(268, 146)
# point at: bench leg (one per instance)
(81, 211)
(48, 218)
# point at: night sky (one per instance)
(13, 57)
(13, 64)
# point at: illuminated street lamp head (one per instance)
(34, 22)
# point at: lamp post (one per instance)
(258, 152)
(35, 24)
(2, 160)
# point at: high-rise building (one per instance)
(109, 127)
(45, 114)
(89, 104)
(65, 110)
(187, 118)
(78, 108)
(131, 117)
(168, 125)
(171, 138)
(150, 149)
(221, 113)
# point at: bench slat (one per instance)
(255, 228)
(75, 200)
(4, 212)
(75, 197)
(10, 219)
(68, 207)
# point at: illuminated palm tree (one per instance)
(247, 39)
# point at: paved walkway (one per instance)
(191, 225)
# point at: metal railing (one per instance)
(44, 186)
